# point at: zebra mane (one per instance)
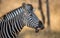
(11, 11)
(5, 15)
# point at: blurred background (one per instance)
(54, 11)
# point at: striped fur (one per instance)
(13, 22)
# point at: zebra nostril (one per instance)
(40, 25)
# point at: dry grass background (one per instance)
(8, 5)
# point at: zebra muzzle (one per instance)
(39, 27)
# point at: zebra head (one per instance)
(30, 19)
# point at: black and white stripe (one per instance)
(13, 22)
(11, 25)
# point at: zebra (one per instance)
(13, 22)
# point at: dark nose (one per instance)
(41, 25)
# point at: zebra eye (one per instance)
(30, 14)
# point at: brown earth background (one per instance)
(54, 5)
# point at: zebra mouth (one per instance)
(39, 27)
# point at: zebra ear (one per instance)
(23, 5)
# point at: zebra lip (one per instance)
(37, 30)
